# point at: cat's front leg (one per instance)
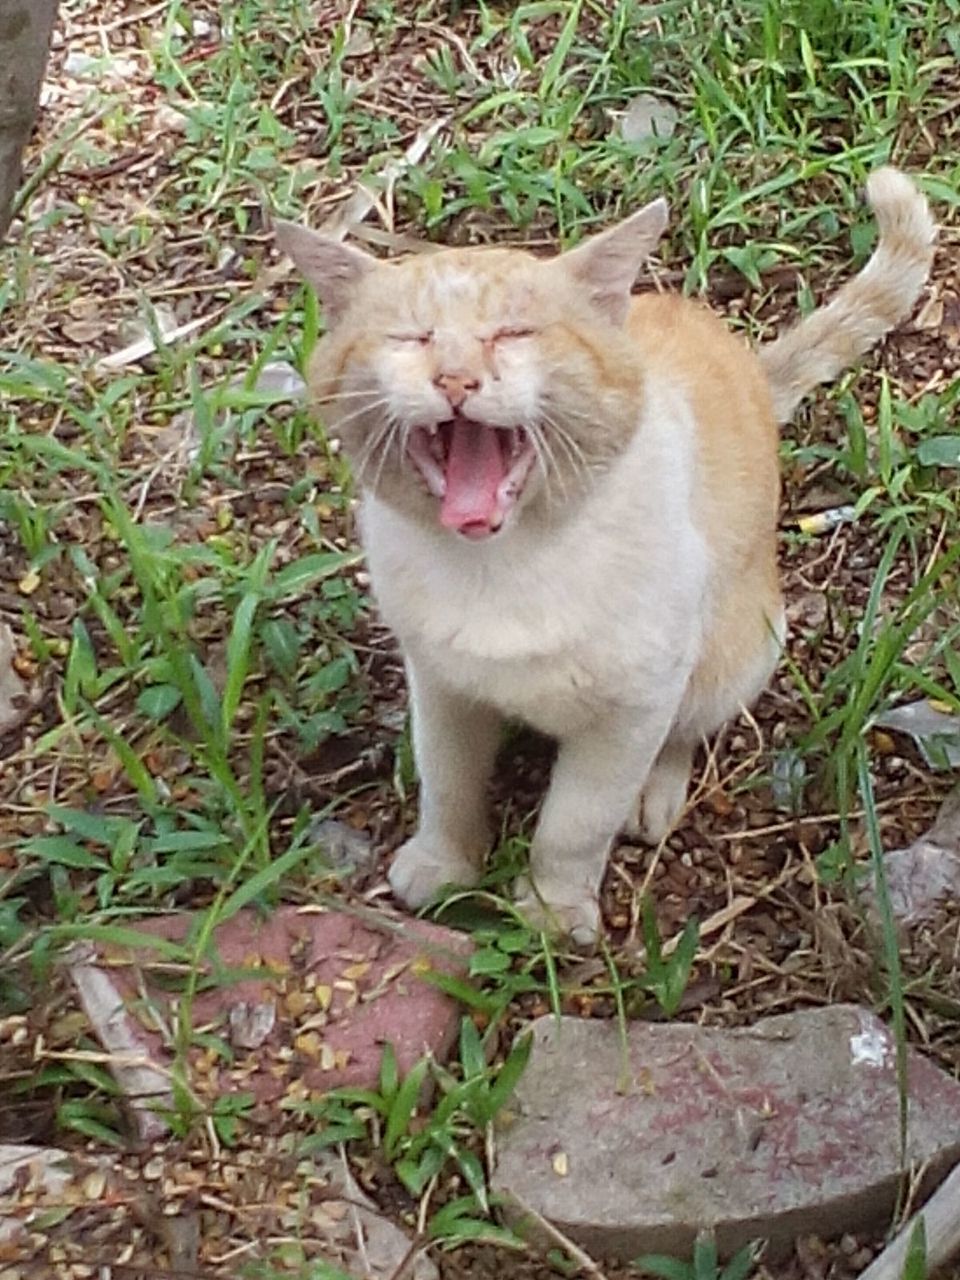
(455, 741)
(592, 793)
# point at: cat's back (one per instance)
(685, 345)
(685, 340)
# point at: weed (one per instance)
(420, 1144)
(704, 1265)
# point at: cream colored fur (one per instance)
(868, 306)
(629, 603)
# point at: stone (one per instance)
(924, 878)
(786, 1128)
(648, 117)
(304, 1001)
(345, 850)
(385, 1250)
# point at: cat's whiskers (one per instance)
(334, 396)
(373, 442)
(577, 467)
(575, 455)
(567, 411)
(357, 413)
(391, 436)
(545, 459)
(369, 449)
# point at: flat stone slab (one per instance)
(789, 1127)
(289, 1005)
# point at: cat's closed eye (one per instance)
(422, 339)
(511, 331)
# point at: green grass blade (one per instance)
(404, 1105)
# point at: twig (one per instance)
(941, 1219)
(579, 1256)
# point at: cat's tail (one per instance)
(868, 306)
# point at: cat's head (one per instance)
(476, 387)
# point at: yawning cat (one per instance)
(569, 510)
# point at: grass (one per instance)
(183, 581)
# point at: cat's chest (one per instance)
(556, 696)
(549, 635)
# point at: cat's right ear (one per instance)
(332, 268)
(607, 264)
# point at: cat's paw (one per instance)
(420, 869)
(555, 914)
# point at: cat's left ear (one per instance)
(334, 269)
(607, 264)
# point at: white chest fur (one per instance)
(555, 628)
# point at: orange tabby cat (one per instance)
(569, 509)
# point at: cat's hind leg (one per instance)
(664, 795)
(719, 690)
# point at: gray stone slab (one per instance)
(785, 1128)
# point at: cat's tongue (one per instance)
(474, 473)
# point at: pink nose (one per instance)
(456, 386)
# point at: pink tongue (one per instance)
(475, 471)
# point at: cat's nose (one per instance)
(456, 386)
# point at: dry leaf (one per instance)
(279, 376)
(930, 315)
(81, 332)
(144, 1084)
(344, 849)
(309, 1044)
(925, 876)
(181, 1234)
(359, 43)
(363, 200)
(251, 1024)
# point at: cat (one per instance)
(569, 508)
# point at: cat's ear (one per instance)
(334, 269)
(607, 264)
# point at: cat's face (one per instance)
(470, 386)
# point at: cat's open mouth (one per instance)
(477, 472)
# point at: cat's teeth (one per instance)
(518, 438)
(423, 449)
